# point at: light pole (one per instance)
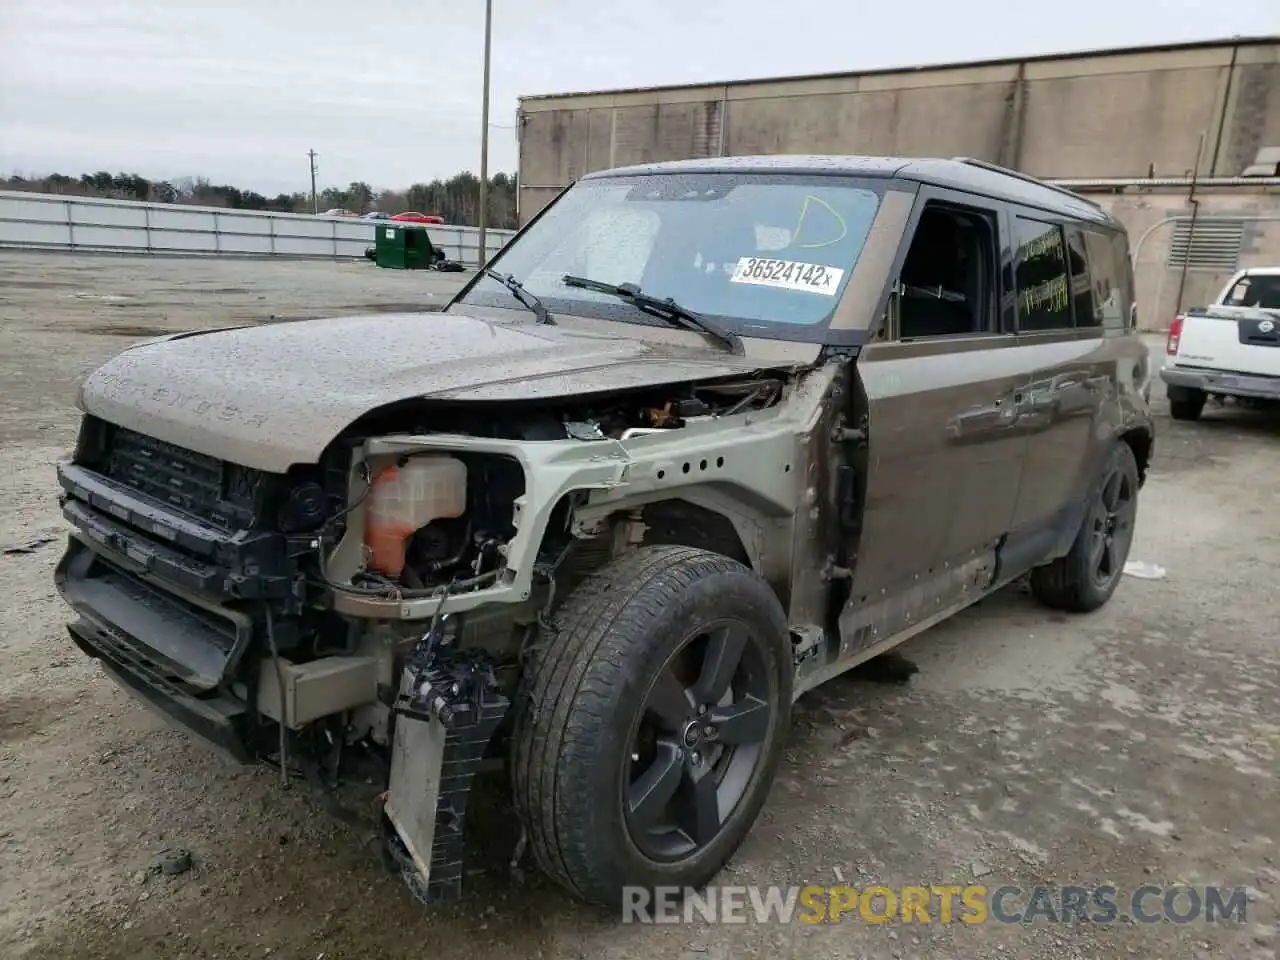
(484, 133)
(311, 155)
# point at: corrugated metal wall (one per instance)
(46, 221)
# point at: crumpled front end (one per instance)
(365, 617)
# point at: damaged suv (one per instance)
(701, 437)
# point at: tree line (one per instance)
(457, 199)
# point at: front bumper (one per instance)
(162, 600)
(1230, 384)
(169, 652)
(218, 720)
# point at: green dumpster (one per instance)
(403, 246)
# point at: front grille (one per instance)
(188, 519)
(213, 490)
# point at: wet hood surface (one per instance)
(271, 396)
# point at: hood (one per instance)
(275, 395)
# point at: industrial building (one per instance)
(1129, 128)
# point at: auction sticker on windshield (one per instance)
(788, 274)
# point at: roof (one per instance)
(1223, 42)
(960, 173)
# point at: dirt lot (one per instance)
(1134, 746)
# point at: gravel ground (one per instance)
(1137, 745)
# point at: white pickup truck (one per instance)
(1230, 348)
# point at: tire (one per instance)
(593, 728)
(1186, 403)
(1085, 579)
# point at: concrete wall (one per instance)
(1099, 115)
(1157, 283)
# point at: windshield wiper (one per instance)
(540, 313)
(666, 308)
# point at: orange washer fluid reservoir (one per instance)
(404, 499)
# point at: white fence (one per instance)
(49, 222)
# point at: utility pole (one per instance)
(484, 132)
(311, 155)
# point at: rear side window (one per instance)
(1044, 287)
(1111, 278)
(1083, 307)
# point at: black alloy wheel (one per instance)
(1112, 531)
(698, 739)
(1086, 577)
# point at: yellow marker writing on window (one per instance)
(804, 212)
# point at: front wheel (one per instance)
(1088, 575)
(650, 723)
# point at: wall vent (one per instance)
(1214, 246)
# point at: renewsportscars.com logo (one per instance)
(974, 904)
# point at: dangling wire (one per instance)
(284, 732)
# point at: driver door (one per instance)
(940, 388)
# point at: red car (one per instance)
(411, 217)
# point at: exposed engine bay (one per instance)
(465, 501)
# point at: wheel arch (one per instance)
(721, 519)
(680, 522)
(761, 531)
(1141, 440)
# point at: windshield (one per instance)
(1261, 290)
(766, 255)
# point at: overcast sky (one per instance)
(388, 91)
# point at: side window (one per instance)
(1111, 279)
(1044, 298)
(1082, 302)
(1240, 290)
(948, 282)
(1256, 290)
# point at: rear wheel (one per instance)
(1087, 576)
(1186, 403)
(649, 726)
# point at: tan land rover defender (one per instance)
(702, 436)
